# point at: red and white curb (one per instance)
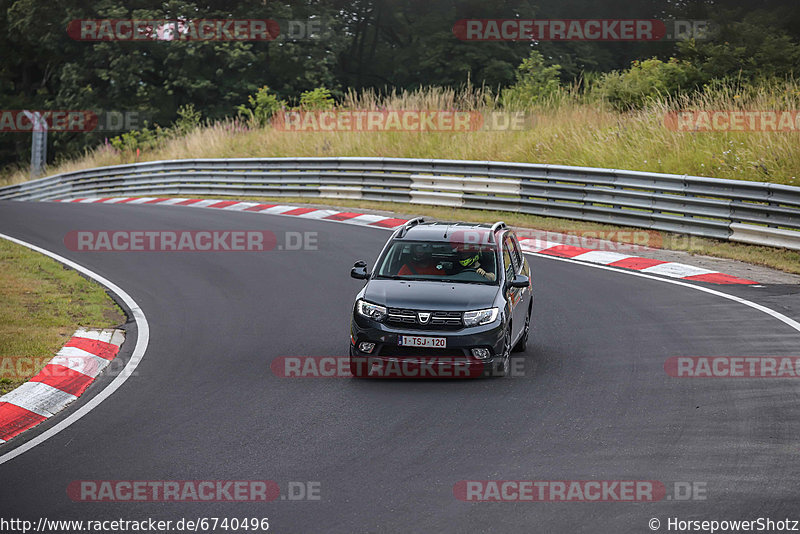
(532, 246)
(60, 382)
(363, 219)
(615, 259)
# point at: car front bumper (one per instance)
(456, 360)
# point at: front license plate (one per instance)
(416, 341)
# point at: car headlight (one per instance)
(372, 311)
(479, 317)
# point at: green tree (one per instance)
(318, 99)
(757, 46)
(261, 106)
(536, 81)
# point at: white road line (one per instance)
(142, 339)
(779, 316)
(791, 323)
(772, 313)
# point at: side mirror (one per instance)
(359, 270)
(519, 281)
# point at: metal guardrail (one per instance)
(750, 212)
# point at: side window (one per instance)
(512, 251)
(516, 254)
(508, 264)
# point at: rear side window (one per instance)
(516, 254)
(508, 263)
(510, 248)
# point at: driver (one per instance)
(421, 262)
(469, 260)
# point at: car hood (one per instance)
(430, 295)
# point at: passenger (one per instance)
(421, 262)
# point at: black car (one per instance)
(442, 296)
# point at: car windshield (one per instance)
(439, 261)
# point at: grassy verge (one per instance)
(569, 130)
(43, 303)
(781, 259)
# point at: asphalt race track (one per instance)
(594, 403)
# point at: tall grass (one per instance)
(572, 127)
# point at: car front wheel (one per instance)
(522, 344)
(503, 367)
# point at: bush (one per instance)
(535, 82)
(188, 119)
(646, 81)
(261, 106)
(149, 138)
(143, 139)
(319, 99)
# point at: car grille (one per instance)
(440, 320)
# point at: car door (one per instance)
(524, 269)
(513, 295)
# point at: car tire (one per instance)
(503, 367)
(522, 344)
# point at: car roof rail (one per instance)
(413, 222)
(499, 225)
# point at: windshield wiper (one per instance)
(397, 277)
(455, 281)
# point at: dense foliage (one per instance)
(362, 44)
